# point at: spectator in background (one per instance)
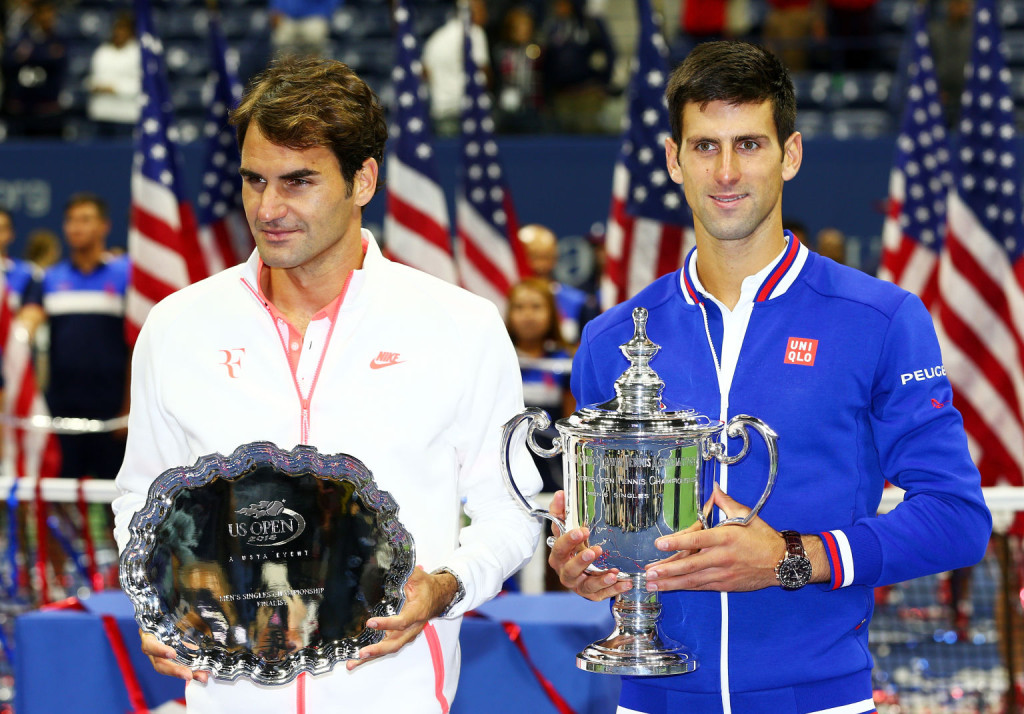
(518, 80)
(578, 61)
(42, 249)
(831, 243)
(443, 66)
(544, 361)
(83, 304)
(542, 254)
(301, 27)
(950, 32)
(16, 15)
(34, 69)
(792, 28)
(115, 81)
(20, 277)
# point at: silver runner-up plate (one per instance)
(266, 563)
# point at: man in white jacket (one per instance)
(318, 339)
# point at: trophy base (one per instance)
(636, 656)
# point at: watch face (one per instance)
(794, 573)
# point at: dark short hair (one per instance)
(734, 72)
(303, 102)
(82, 197)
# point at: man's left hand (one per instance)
(426, 597)
(725, 559)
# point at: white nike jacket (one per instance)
(416, 379)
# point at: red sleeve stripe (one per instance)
(835, 560)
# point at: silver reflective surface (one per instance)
(630, 492)
(266, 563)
(636, 469)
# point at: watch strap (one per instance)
(460, 589)
(794, 544)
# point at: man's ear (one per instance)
(364, 185)
(672, 160)
(792, 155)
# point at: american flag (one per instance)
(650, 228)
(27, 452)
(224, 235)
(162, 237)
(490, 257)
(981, 269)
(417, 230)
(915, 222)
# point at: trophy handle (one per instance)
(737, 427)
(538, 419)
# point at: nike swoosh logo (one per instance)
(378, 365)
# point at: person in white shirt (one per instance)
(320, 340)
(115, 81)
(443, 66)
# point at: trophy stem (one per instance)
(636, 647)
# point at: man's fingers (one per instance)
(728, 505)
(393, 641)
(557, 509)
(163, 659)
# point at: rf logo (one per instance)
(233, 361)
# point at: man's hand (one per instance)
(426, 597)
(162, 657)
(570, 556)
(724, 559)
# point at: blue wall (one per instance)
(563, 182)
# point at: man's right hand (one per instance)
(162, 656)
(570, 557)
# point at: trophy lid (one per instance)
(638, 407)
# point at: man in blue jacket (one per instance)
(847, 370)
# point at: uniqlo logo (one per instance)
(801, 351)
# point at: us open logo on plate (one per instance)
(267, 523)
(800, 350)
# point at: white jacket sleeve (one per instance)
(501, 536)
(155, 441)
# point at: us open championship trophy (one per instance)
(636, 470)
(266, 563)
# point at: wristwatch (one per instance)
(794, 570)
(460, 589)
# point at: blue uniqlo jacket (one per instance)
(847, 370)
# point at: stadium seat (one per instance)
(1011, 14)
(861, 89)
(812, 123)
(1013, 40)
(187, 96)
(186, 58)
(812, 89)
(361, 22)
(861, 123)
(365, 56)
(91, 24)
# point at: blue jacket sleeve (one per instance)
(943, 522)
